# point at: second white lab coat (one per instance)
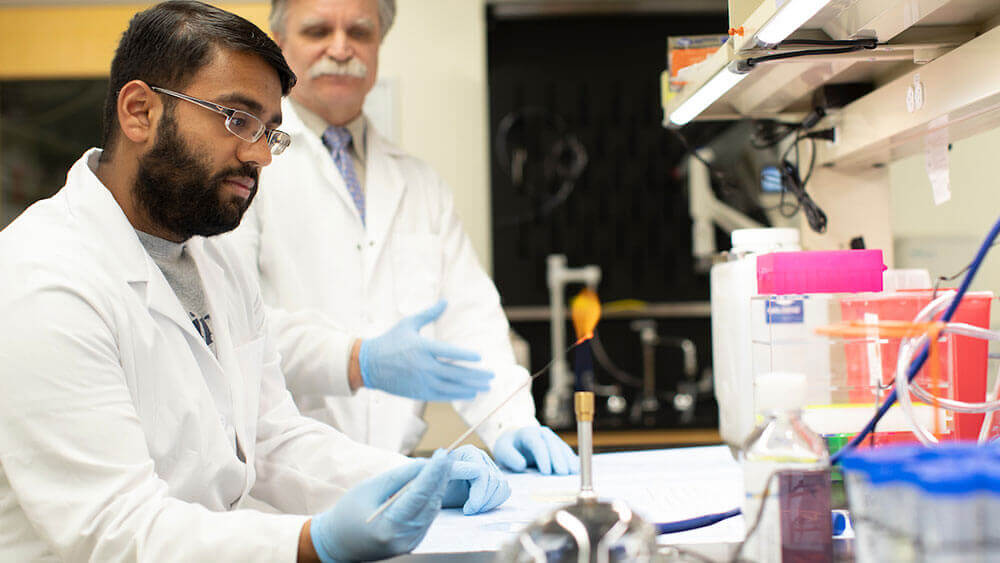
(113, 446)
(332, 279)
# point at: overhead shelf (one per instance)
(950, 48)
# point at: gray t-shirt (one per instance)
(181, 272)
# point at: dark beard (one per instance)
(176, 190)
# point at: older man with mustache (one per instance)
(381, 302)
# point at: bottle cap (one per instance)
(946, 477)
(913, 278)
(855, 462)
(988, 477)
(899, 454)
(890, 474)
(780, 391)
(765, 240)
(839, 522)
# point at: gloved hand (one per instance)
(404, 363)
(476, 482)
(535, 446)
(343, 533)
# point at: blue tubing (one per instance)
(694, 523)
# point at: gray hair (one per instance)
(279, 12)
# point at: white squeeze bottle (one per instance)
(780, 442)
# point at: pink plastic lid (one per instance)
(819, 271)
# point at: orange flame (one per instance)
(586, 311)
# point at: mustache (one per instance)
(327, 66)
(247, 170)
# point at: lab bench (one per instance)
(646, 438)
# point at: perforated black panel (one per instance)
(628, 211)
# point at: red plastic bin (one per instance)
(968, 357)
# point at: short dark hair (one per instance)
(169, 43)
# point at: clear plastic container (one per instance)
(861, 502)
(931, 504)
(878, 487)
(950, 525)
(848, 376)
(894, 520)
(783, 450)
(990, 506)
(733, 283)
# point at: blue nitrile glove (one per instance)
(535, 446)
(404, 363)
(477, 483)
(343, 533)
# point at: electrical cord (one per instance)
(792, 183)
(864, 43)
(815, 216)
(787, 177)
(849, 47)
(768, 133)
(953, 277)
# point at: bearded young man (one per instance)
(141, 401)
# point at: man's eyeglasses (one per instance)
(240, 123)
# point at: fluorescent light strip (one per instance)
(721, 83)
(790, 17)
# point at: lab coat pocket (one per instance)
(416, 271)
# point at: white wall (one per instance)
(946, 237)
(435, 59)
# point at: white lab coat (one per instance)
(112, 447)
(332, 280)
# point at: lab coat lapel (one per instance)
(332, 176)
(384, 189)
(161, 299)
(93, 203)
(318, 153)
(213, 279)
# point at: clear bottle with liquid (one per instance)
(783, 456)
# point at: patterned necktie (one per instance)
(337, 139)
